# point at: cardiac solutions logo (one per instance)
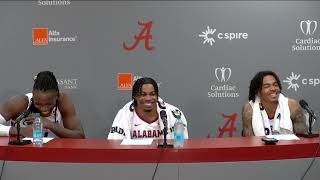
(53, 2)
(223, 88)
(309, 42)
(209, 36)
(44, 36)
(295, 82)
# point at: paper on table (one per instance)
(45, 139)
(136, 142)
(284, 137)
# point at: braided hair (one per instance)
(45, 81)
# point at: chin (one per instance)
(147, 110)
(45, 115)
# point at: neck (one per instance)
(147, 116)
(270, 108)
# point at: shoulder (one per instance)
(64, 97)
(246, 108)
(293, 105)
(19, 101)
(65, 103)
(171, 107)
(14, 106)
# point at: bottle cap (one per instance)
(37, 114)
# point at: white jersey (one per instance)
(142, 129)
(128, 125)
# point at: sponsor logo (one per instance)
(296, 81)
(223, 74)
(68, 83)
(223, 88)
(53, 2)
(44, 36)
(125, 81)
(40, 36)
(308, 27)
(144, 36)
(209, 36)
(310, 40)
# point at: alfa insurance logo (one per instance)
(310, 40)
(44, 36)
(222, 88)
(296, 81)
(125, 81)
(210, 36)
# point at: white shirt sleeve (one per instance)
(117, 130)
(4, 129)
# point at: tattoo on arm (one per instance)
(298, 120)
(247, 122)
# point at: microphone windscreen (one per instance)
(303, 103)
(163, 114)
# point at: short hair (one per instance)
(257, 81)
(44, 81)
(137, 87)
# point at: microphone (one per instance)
(17, 122)
(163, 116)
(22, 116)
(305, 106)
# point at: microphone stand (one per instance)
(309, 134)
(19, 141)
(165, 144)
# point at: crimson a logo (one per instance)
(308, 27)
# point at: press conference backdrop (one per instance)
(202, 54)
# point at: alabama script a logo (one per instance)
(144, 35)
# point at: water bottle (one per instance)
(37, 131)
(178, 133)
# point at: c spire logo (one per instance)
(209, 36)
(296, 81)
(292, 81)
(223, 74)
(308, 27)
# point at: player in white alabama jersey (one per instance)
(140, 117)
(53, 106)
